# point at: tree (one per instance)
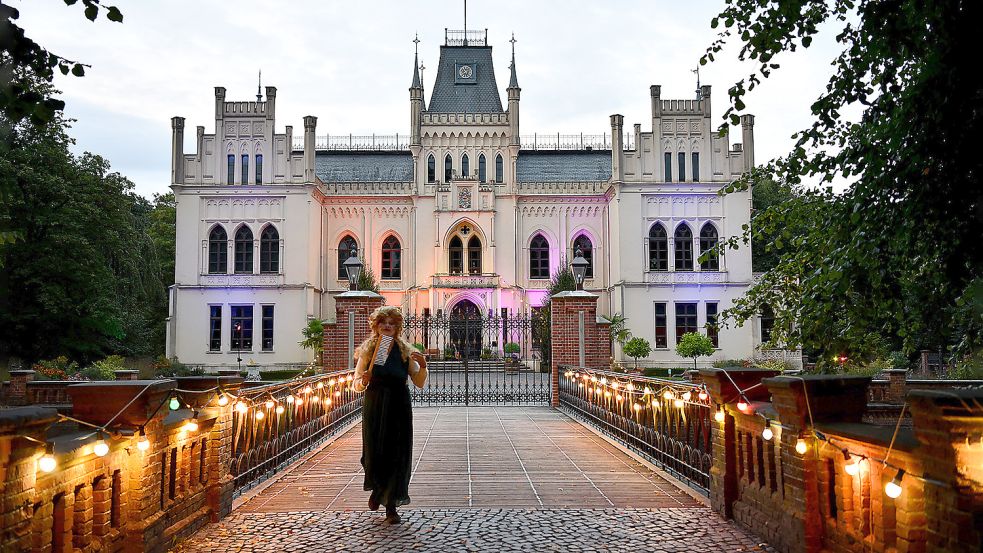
(636, 348)
(694, 344)
(366, 279)
(314, 338)
(766, 248)
(618, 327)
(894, 258)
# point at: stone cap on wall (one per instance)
(724, 391)
(819, 398)
(98, 402)
(359, 294)
(18, 419)
(580, 294)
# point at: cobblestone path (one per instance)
(484, 479)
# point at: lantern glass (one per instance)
(353, 266)
(579, 267)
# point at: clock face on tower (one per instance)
(465, 71)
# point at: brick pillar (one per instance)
(218, 457)
(948, 426)
(17, 394)
(897, 379)
(18, 457)
(567, 309)
(126, 374)
(336, 354)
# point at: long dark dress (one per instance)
(387, 432)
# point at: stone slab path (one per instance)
(484, 479)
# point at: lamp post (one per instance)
(239, 347)
(353, 266)
(579, 267)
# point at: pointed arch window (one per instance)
(658, 248)
(474, 256)
(465, 166)
(583, 244)
(269, 250)
(259, 168)
(539, 257)
(448, 168)
(431, 168)
(499, 169)
(482, 170)
(708, 243)
(231, 176)
(346, 248)
(218, 251)
(683, 248)
(455, 261)
(243, 251)
(391, 259)
(245, 168)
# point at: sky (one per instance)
(350, 64)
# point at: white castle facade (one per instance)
(459, 213)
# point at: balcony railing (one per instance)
(465, 281)
(557, 141)
(465, 38)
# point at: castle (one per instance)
(462, 212)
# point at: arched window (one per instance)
(245, 168)
(482, 171)
(346, 248)
(583, 244)
(448, 168)
(231, 176)
(269, 250)
(390, 259)
(539, 257)
(708, 243)
(684, 248)
(474, 256)
(431, 168)
(243, 251)
(499, 169)
(259, 168)
(465, 166)
(455, 263)
(658, 248)
(218, 251)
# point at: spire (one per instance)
(417, 83)
(513, 80)
(259, 87)
(699, 91)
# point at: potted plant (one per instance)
(512, 350)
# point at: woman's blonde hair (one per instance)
(364, 351)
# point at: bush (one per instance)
(969, 367)
(636, 348)
(512, 348)
(419, 347)
(104, 369)
(176, 368)
(280, 374)
(694, 344)
(59, 368)
(725, 363)
(779, 365)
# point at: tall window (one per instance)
(448, 168)
(667, 161)
(232, 170)
(390, 258)
(708, 243)
(499, 169)
(242, 327)
(218, 251)
(259, 168)
(583, 244)
(661, 326)
(684, 248)
(539, 257)
(658, 248)
(245, 169)
(685, 319)
(456, 260)
(713, 332)
(465, 166)
(682, 167)
(267, 328)
(269, 250)
(482, 171)
(474, 256)
(431, 168)
(767, 323)
(214, 328)
(696, 167)
(243, 251)
(346, 247)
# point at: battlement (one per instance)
(244, 108)
(700, 106)
(257, 108)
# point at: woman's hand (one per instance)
(419, 358)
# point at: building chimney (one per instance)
(617, 148)
(177, 150)
(270, 102)
(747, 136)
(310, 124)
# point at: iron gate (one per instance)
(480, 359)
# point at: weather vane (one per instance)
(416, 43)
(259, 87)
(513, 41)
(699, 93)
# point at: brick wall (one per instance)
(565, 309)
(335, 353)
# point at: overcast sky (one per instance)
(350, 64)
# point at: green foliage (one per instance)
(895, 257)
(970, 367)
(562, 281)
(637, 348)
(173, 368)
(418, 346)
(367, 280)
(694, 344)
(618, 328)
(104, 369)
(59, 368)
(726, 363)
(766, 247)
(282, 374)
(313, 335)
(512, 348)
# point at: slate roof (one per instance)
(563, 166)
(364, 166)
(479, 97)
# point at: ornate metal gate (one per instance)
(480, 359)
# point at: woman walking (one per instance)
(385, 360)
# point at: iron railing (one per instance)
(277, 423)
(465, 37)
(581, 141)
(668, 422)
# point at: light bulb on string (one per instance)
(47, 462)
(648, 391)
(269, 404)
(801, 447)
(687, 396)
(290, 399)
(620, 397)
(678, 403)
(241, 407)
(100, 448)
(607, 393)
(667, 394)
(280, 409)
(893, 488)
(327, 401)
(223, 400)
(703, 395)
(298, 402)
(604, 381)
(174, 404)
(767, 433)
(143, 444)
(260, 415)
(742, 406)
(320, 385)
(308, 389)
(636, 407)
(581, 385)
(332, 382)
(615, 385)
(719, 415)
(850, 464)
(316, 399)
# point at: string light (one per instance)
(893, 488)
(241, 407)
(636, 407)
(801, 446)
(269, 404)
(174, 404)
(298, 402)
(101, 448)
(850, 464)
(687, 396)
(742, 406)
(192, 424)
(719, 415)
(260, 415)
(315, 399)
(308, 389)
(280, 409)
(47, 462)
(290, 399)
(767, 433)
(143, 444)
(223, 400)
(320, 385)
(678, 403)
(703, 395)
(667, 394)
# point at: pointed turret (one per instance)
(513, 80)
(417, 83)
(513, 91)
(416, 97)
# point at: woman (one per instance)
(385, 359)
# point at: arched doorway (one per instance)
(465, 329)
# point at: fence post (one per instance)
(350, 328)
(576, 338)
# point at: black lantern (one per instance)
(579, 266)
(353, 266)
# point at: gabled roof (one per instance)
(563, 166)
(364, 166)
(450, 95)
